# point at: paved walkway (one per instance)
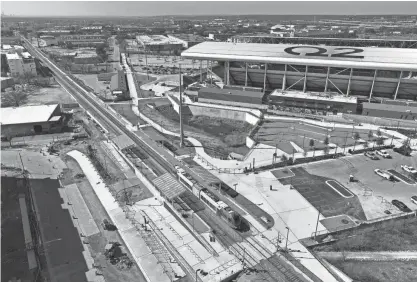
(369, 256)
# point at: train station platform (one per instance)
(149, 246)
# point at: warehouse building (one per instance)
(118, 84)
(31, 120)
(231, 97)
(390, 111)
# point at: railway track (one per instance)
(99, 110)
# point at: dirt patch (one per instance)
(379, 271)
(218, 136)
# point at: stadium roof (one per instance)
(29, 114)
(332, 56)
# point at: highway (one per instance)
(165, 161)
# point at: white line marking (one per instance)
(351, 195)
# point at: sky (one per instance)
(156, 8)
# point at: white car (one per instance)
(382, 174)
(414, 199)
(383, 154)
(409, 169)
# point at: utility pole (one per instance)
(286, 242)
(180, 112)
(317, 224)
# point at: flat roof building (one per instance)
(30, 120)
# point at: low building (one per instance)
(118, 84)
(326, 102)
(6, 82)
(86, 59)
(390, 111)
(187, 40)
(48, 40)
(83, 40)
(283, 30)
(21, 64)
(231, 97)
(31, 120)
(160, 44)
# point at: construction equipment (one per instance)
(108, 226)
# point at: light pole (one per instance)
(286, 242)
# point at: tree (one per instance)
(27, 77)
(370, 134)
(311, 143)
(14, 98)
(284, 158)
(356, 136)
(378, 132)
(326, 140)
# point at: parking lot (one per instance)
(287, 131)
(374, 192)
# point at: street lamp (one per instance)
(286, 242)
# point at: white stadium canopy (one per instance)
(396, 59)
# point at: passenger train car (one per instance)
(219, 207)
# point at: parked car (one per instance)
(409, 169)
(414, 199)
(401, 206)
(371, 155)
(383, 174)
(384, 154)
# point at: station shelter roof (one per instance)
(332, 56)
(169, 186)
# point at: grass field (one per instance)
(374, 271)
(218, 136)
(395, 235)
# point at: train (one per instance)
(211, 201)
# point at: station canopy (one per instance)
(396, 59)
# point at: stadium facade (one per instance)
(365, 72)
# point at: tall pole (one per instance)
(317, 224)
(180, 112)
(286, 242)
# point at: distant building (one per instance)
(83, 40)
(118, 84)
(283, 30)
(390, 111)
(31, 120)
(86, 59)
(160, 44)
(20, 64)
(48, 40)
(92, 29)
(187, 40)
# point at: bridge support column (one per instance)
(327, 80)
(349, 83)
(398, 86)
(246, 74)
(284, 79)
(305, 80)
(372, 87)
(266, 69)
(228, 73)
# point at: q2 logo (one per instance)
(316, 51)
